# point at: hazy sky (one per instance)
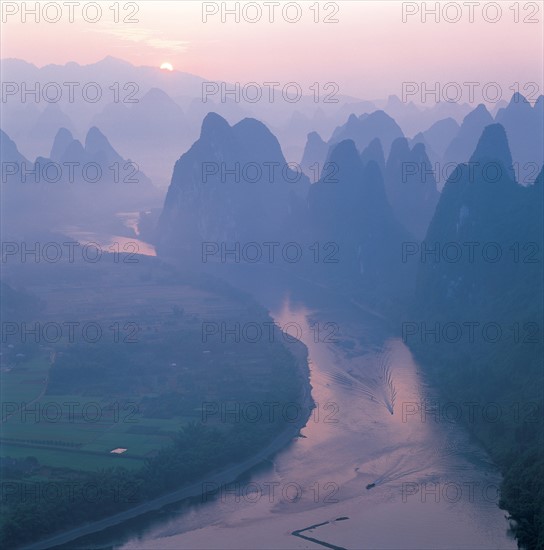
(369, 52)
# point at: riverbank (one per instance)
(340, 454)
(222, 477)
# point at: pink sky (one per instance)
(370, 52)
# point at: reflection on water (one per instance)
(367, 473)
(130, 220)
(115, 244)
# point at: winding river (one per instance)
(373, 468)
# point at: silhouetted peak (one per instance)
(367, 127)
(53, 115)
(379, 116)
(213, 124)
(252, 126)
(4, 137)
(113, 62)
(8, 149)
(419, 138)
(480, 109)
(254, 132)
(446, 122)
(314, 139)
(64, 134)
(62, 139)
(345, 156)
(478, 115)
(419, 150)
(393, 101)
(493, 146)
(352, 123)
(374, 153)
(516, 99)
(74, 150)
(399, 148)
(375, 145)
(518, 107)
(13, 62)
(156, 95)
(96, 141)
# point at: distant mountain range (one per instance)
(447, 143)
(169, 107)
(371, 189)
(73, 183)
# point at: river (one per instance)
(371, 469)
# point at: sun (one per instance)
(167, 66)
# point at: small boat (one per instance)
(370, 485)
